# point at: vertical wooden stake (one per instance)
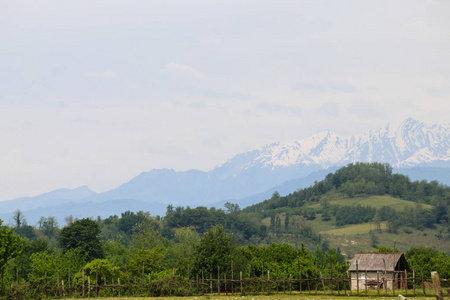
(114, 266)
(423, 283)
(406, 283)
(128, 280)
(365, 281)
(307, 281)
(437, 285)
(345, 281)
(218, 280)
(323, 282)
(378, 283)
(284, 282)
(70, 291)
(316, 279)
(357, 278)
(241, 281)
(290, 284)
(331, 277)
(393, 283)
(83, 294)
(414, 282)
(57, 277)
(210, 283)
(232, 278)
(385, 278)
(143, 272)
(225, 281)
(96, 282)
(276, 278)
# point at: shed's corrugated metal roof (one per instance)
(373, 261)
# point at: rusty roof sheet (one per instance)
(373, 261)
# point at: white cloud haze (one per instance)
(94, 93)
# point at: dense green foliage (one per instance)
(83, 234)
(10, 245)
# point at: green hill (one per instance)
(359, 207)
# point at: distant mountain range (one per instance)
(413, 148)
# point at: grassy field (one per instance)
(377, 202)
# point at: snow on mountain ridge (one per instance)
(402, 145)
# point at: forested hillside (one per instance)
(362, 206)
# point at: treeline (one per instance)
(153, 257)
(83, 244)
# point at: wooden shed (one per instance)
(372, 269)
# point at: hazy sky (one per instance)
(96, 92)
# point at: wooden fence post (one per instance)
(385, 278)
(437, 285)
(365, 281)
(345, 281)
(423, 283)
(406, 283)
(142, 283)
(323, 282)
(96, 281)
(357, 278)
(218, 280)
(307, 281)
(276, 277)
(114, 266)
(240, 276)
(393, 283)
(378, 283)
(232, 278)
(331, 278)
(70, 291)
(83, 293)
(315, 291)
(128, 280)
(299, 277)
(290, 284)
(210, 283)
(414, 281)
(225, 282)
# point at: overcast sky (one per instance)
(95, 92)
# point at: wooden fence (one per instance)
(217, 283)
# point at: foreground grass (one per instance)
(267, 297)
(372, 295)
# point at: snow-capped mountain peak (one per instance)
(405, 144)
